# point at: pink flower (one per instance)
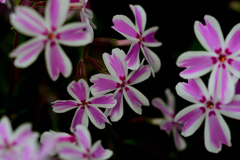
(168, 124)
(210, 108)
(2, 1)
(86, 107)
(140, 38)
(48, 34)
(84, 150)
(221, 57)
(120, 81)
(12, 143)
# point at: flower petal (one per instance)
(232, 41)
(103, 83)
(149, 39)
(135, 99)
(216, 132)
(178, 140)
(159, 104)
(152, 58)
(115, 63)
(73, 34)
(97, 117)
(233, 65)
(166, 125)
(57, 61)
(231, 109)
(28, 21)
(170, 99)
(83, 136)
(64, 106)
(105, 101)
(5, 130)
(116, 112)
(56, 13)
(28, 52)
(198, 63)
(70, 151)
(210, 35)
(99, 152)
(140, 17)
(192, 117)
(79, 90)
(124, 26)
(132, 57)
(139, 75)
(80, 117)
(194, 91)
(221, 86)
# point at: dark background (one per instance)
(131, 137)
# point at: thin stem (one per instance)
(39, 4)
(20, 2)
(85, 51)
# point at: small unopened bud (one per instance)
(81, 70)
(98, 67)
(110, 42)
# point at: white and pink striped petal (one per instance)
(232, 41)
(28, 21)
(73, 34)
(210, 35)
(124, 26)
(64, 106)
(178, 140)
(132, 57)
(56, 13)
(194, 91)
(216, 132)
(140, 17)
(149, 39)
(28, 52)
(166, 125)
(104, 101)
(79, 90)
(70, 151)
(99, 153)
(170, 99)
(115, 63)
(5, 131)
(103, 83)
(197, 63)
(96, 116)
(233, 65)
(139, 75)
(221, 86)
(57, 61)
(135, 99)
(191, 117)
(80, 117)
(160, 104)
(83, 136)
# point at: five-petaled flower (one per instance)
(87, 107)
(48, 33)
(13, 144)
(168, 124)
(222, 57)
(120, 81)
(140, 39)
(210, 108)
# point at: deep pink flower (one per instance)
(13, 144)
(86, 107)
(48, 34)
(84, 150)
(210, 108)
(120, 81)
(168, 124)
(140, 38)
(221, 57)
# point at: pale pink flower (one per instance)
(120, 81)
(2, 1)
(221, 57)
(48, 33)
(12, 143)
(86, 107)
(84, 149)
(139, 37)
(167, 123)
(210, 108)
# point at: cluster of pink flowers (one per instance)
(222, 57)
